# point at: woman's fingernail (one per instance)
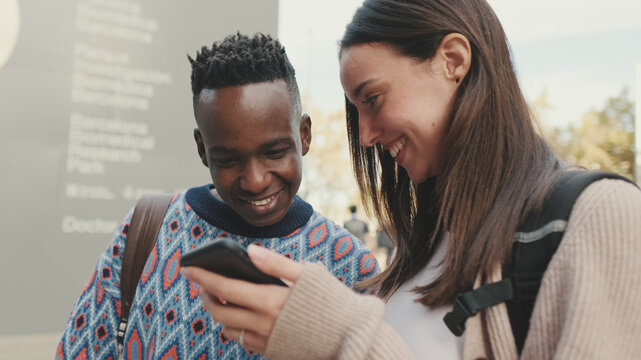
(185, 272)
(257, 253)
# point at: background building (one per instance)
(95, 105)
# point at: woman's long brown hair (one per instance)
(496, 167)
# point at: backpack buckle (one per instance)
(455, 319)
(470, 303)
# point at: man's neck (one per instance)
(216, 194)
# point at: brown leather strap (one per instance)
(146, 220)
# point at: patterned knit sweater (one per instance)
(167, 319)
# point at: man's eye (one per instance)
(225, 161)
(276, 154)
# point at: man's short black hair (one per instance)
(352, 209)
(239, 60)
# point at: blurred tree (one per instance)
(328, 182)
(604, 139)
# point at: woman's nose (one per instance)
(367, 132)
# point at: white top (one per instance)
(423, 328)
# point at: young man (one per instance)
(251, 135)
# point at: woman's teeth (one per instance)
(262, 202)
(397, 147)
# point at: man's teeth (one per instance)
(396, 148)
(261, 202)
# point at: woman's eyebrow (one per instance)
(357, 91)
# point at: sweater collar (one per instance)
(221, 215)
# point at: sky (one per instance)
(579, 52)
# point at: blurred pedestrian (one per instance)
(355, 225)
(384, 244)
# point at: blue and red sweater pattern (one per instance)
(167, 319)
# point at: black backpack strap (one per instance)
(470, 303)
(535, 243)
(146, 221)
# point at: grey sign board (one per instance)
(95, 104)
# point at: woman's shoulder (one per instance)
(594, 271)
(608, 196)
(605, 210)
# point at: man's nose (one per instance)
(255, 177)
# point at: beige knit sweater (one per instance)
(588, 307)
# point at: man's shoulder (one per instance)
(321, 227)
(340, 236)
(179, 206)
(338, 230)
(342, 253)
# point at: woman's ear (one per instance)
(456, 52)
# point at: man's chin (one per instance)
(264, 221)
(257, 219)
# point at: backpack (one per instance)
(143, 230)
(535, 243)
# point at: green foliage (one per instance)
(604, 139)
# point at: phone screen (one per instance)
(225, 257)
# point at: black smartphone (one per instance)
(225, 257)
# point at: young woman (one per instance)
(447, 157)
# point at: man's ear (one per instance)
(305, 132)
(200, 145)
(456, 53)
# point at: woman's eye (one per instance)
(370, 100)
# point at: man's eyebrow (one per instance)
(268, 145)
(278, 141)
(221, 149)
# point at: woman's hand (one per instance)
(241, 305)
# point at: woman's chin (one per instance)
(417, 178)
(421, 176)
